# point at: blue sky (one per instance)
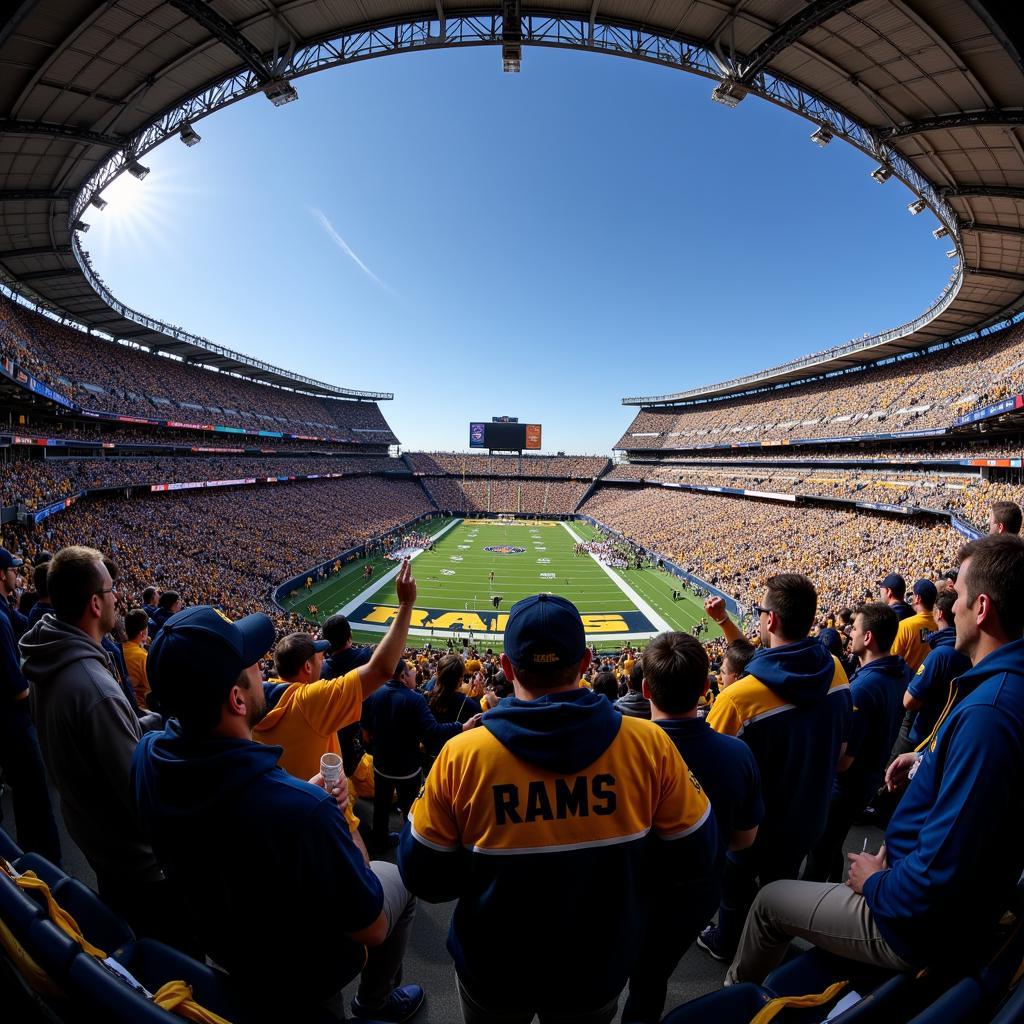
(536, 245)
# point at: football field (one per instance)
(479, 568)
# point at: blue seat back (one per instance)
(736, 1004)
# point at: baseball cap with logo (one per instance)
(544, 631)
(894, 582)
(201, 648)
(9, 561)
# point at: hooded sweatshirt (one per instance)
(792, 709)
(538, 823)
(877, 690)
(88, 733)
(931, 683)
(261, 861)
(953, 843)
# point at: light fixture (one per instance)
(881, 174)
(916, 207)
(951, 254)
(80, 225)
(822, 137)
(136, 170)
(280, 92)
(940, 232)
(728, 93)
(99, 202)
(188, 134)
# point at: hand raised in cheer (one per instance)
(405, 585)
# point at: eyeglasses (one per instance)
(759, 610)
(106, 590)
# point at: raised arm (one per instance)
(379, 669)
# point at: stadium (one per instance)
(216, 478)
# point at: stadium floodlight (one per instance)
(822, 137)
(940, 232)
(916, 207)
(136, 170)
(189, 135)
(80, 225)
(99, 202)
(951, 254)
(728, 93)
(280, 92)
(881, 174)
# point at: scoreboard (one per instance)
(505, 436)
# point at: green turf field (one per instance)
(455, 589)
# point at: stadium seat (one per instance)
(886, 995)
(9, 849)
(18, 910)
(44, 869)
(1012, 1010)
(99, 924)
(958, 1005)
(736, 1004)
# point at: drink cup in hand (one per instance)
(331, 770)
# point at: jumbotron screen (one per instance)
(505, 436)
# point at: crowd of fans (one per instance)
(505, 494)
(576, 467)
(215, 547)
(34, 482)
(106, 377)
(968, 496)
(912, 394)
(735, 544)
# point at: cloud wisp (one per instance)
(347, 249)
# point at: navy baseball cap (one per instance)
(544, 631)
(202, 647)
(9, 561)
(894, 582)
(926, 589)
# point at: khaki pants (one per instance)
(828, 915)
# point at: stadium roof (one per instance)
(933, 89)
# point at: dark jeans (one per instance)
(22, 763)
(676, 920)
(383, 791)
(826, 862)
(746, 871)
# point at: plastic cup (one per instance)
(331, 770)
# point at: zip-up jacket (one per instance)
(953, 843)
(931, 684)
(792, 709)
(552, 825)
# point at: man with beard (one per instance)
(216, 804)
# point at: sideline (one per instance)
(378, 584)
(652, 616)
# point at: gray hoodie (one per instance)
(88, 733)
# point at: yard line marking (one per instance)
(637, 600)
(390, 574)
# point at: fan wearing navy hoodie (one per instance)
(525, 820)
(262, 862)
(792, 709)
(877, 689)
(932, 895)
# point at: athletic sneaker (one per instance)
(710, 941)
(401, 1005)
